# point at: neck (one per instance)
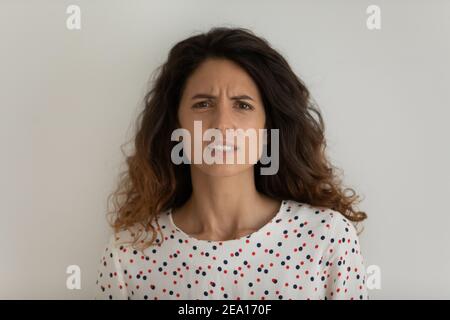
(224, 207)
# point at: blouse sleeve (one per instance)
(346, 276)
(110, 282)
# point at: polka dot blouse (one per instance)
(304, 252)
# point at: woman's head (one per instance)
(229, 66)
(220, 95)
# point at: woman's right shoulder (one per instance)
(136, 233)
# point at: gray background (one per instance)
(68, 100)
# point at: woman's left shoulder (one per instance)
(322, 221)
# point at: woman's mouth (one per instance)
(223, 147)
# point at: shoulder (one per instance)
(130, 239)
(322, 223)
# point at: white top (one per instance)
(304, 252)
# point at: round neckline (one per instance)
(281, 209)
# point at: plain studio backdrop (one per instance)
(69, 99)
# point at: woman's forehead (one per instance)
(216, 77)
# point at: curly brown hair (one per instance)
(152, 183)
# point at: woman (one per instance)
(225, 230)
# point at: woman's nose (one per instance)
(222, 118)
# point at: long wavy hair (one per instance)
(152, 183)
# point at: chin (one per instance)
(223, 170)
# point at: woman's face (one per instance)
(222, 95)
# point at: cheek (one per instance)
(263, 119)
(256, 121)
(185, 119)
(252, 142)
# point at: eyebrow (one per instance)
(208, 96)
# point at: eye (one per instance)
(201, 105)
(245, 106)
